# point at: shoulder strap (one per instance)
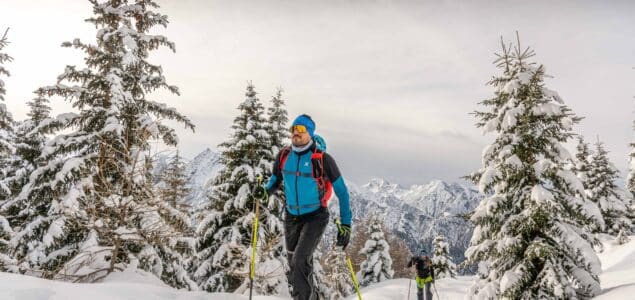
(284, 154)
(325, 187)
(317, 159)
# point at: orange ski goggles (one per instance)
(299, 128)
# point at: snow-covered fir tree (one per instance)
(225, 233)
(276, 126)
(173, 190)
(441, 261)
(178, 259)
(582, 162)
(173, 183)
(29, 141)
(4, 58)
(377, 266)
(630, 183)
(321, 282)
(90, 208)
(529, 241)
(339, 274)
(277, 119)
(581, 167)
(630, 178)
(7, 148)
(602, 190)
(7, 262)
(622, 238)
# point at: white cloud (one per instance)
(405, 73)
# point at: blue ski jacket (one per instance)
(301, 189)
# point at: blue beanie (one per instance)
(307, 122)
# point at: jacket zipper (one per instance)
(297, 200)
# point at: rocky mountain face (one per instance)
(418, 213)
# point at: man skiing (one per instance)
(425, 275)
(309, 176)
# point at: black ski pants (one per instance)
(302, 236)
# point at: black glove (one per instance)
(343, 235)
(260, 193)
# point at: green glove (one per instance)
(260, 193)
(343, 234)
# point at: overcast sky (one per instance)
(389, 83)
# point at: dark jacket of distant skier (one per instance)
(425, 275)
(309, 176)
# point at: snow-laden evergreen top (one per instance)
(377, 265)
(441, 262)
(4, 58)
(530, 239)
(225, 230)
(7, 135)
(90, 208)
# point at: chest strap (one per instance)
(297, 174)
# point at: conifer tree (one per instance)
(339, 274)
(7, 262)
(277, 123)
(582, 165)
(622, 238)
(321, 281)
(603, 191)
(377, 266)
(441, 261)
(529, 240)
(7, 136)
(224, 234)
(90, 208)
(630, 178)
(173, 183)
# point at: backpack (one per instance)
(424, 266)
(325, 187)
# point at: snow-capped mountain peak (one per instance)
(381, 185)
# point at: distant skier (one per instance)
(425, 275)
(309, 175)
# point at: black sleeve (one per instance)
(330, 168)
(275, 171)
(410, 263)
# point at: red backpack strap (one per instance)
(284, 154)
(325, 186)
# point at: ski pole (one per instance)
(409, 287)
(254, 242)
(350, 267)
(436, 291)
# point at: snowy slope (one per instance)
(618, 266)
(617, 279)
(129, 285)
(398, 289)
(618, 282)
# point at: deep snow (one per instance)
(617, 279)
